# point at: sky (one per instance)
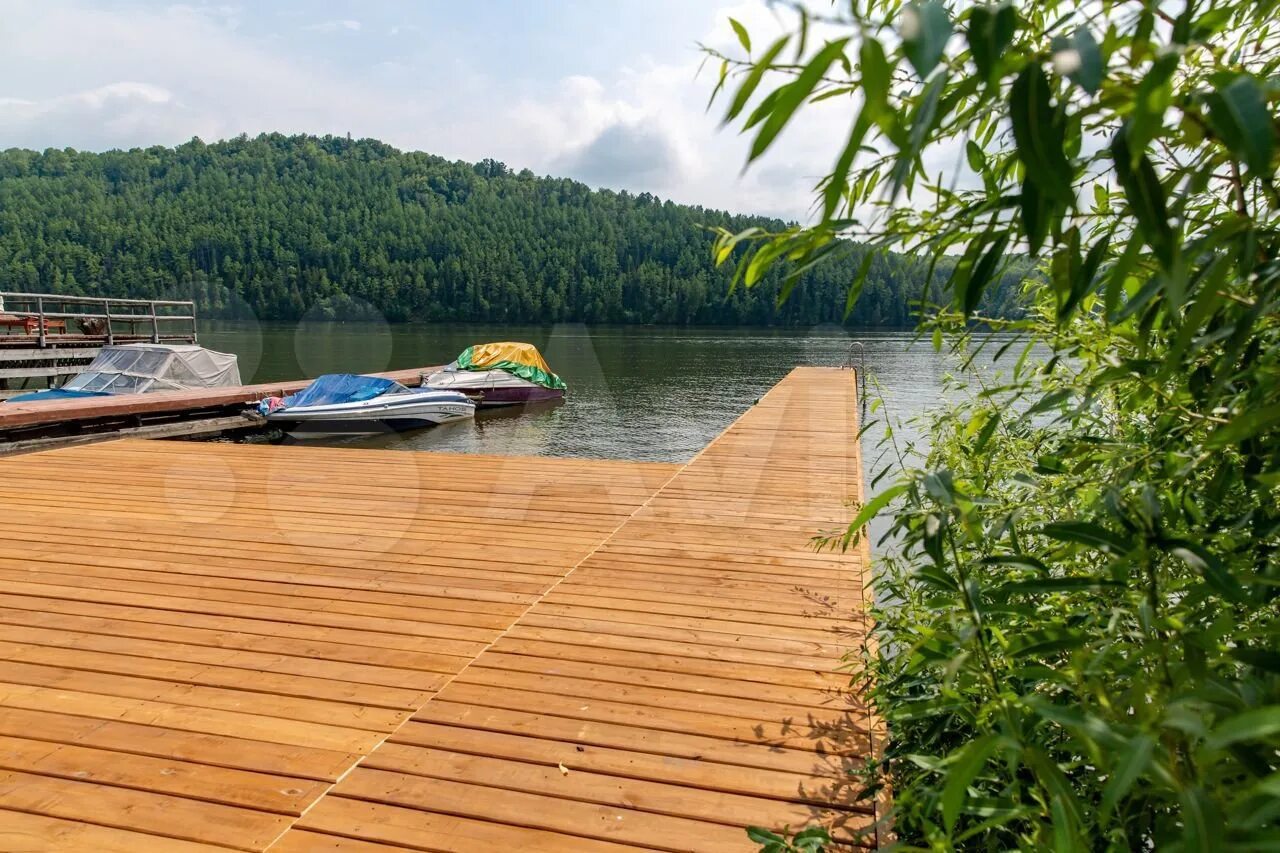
(604, 91)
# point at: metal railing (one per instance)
(34, 310)
(860, 370)
(861, 349)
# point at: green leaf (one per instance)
(760, 835)
(725, 247)
(1142, 188)
(963, 765)
(1024, 560)
(855, 287)
(1087, 533)
(1238, 115)
(991, 30)
(1081, 54)
(1065, 272)
(1253, 725)
(1038, 132)
(988, 429)
(743, 38)
(814, 839)
(982, 273)
(838, 181)
(1130, 764)
(1047, 641)
(1246, 425)
(721, 80)
(1053, 779)
(762, 260)
(1037, 215)
(1208, 566)
(1150, 101)
(977, 160)
(752, 81)
(792, 95)
(925, 32)
(923, 120)
(877, 76)
(1261, 658)
(871, 509)
(1200, 824)
(1058, 584)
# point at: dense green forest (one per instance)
(282, 225)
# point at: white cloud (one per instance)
(74, 74)
(97, 79)
(655, 118)
(346, 24)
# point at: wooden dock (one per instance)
(24, 424)
(295, 648)
(48, 336)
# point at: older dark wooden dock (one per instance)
(299, 648)
(21, 423)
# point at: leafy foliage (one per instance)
(1078, 611)
(291, 224)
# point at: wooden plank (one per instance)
(304, 841)
(575, 779)
(139, 623)
(536, 811)
(291, 676)
(613, 735)
(140, 811)
(425, 830)
(281, 760)
(20, 831)
(700, 771)
(55, 671)
(836, 737)
(330, 738)
(735, 682)
(260, 791)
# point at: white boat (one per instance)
(346, 404)
(145, 369)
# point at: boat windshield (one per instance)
(110, 383)
(335, 388)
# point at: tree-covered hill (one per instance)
(289, 223)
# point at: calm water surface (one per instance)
(642, 393)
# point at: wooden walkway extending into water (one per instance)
(210, 646)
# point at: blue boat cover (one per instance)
(54, 394)
(339, 388)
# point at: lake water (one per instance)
(642, 393)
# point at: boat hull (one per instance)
(338, 428)
(493, 388)
(396, 412)
(493, 397)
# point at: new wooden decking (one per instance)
(220, 646)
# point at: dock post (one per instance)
(106, 310)
(155, 325)
(40, 327)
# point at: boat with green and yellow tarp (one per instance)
(505, 373)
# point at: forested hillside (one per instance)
(291, 223)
